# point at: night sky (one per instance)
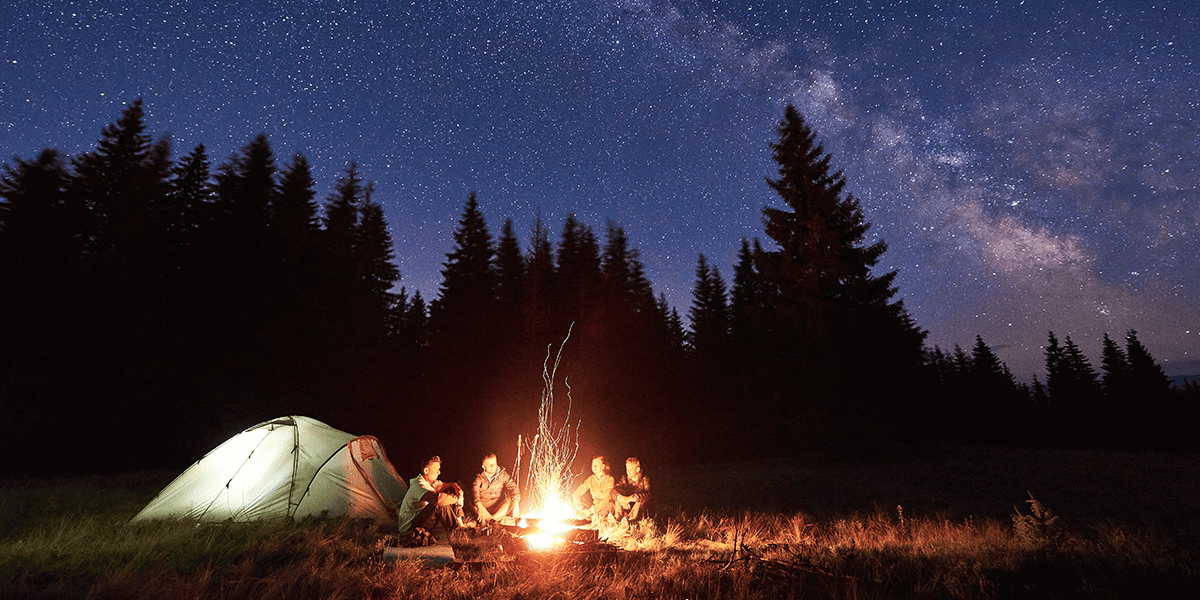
(1033, 165)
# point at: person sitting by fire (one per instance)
(632, 493)
(496, 494)
(429, 503)
(593, 498)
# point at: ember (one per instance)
(551, 524)
(550, 456)
(552, 534)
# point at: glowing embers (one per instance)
(554, 529)
(552, 534)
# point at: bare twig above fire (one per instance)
(554, 446)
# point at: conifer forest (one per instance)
(155, 303)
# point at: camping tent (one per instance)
(287, 467)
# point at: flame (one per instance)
(550, 456)
(550, 525)
(556, 510)
(542, 541)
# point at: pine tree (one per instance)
(340, 269)
(408, 330)
(463, 332)
(1115, 381)
(246, 188)
(540, 283)
(987, 369)
(41, 317)
(340, 221)
(627, 295)
(298, 315)
(415, 322)
(640, 289)
(746, 301)
(1075, 393)
(375, 267)
(510, 280)
(294, 240)
(617, 266)
(1158, 419)
(192, 197)
(132, 277)
(995, 392)
(1146, 376)
(112, 181)
(41, 226)
(840, 342)
(939, 364)
(708, 340)
(1056, 369)
(1085, 385)
(462, 313)
(675, 331)
(294, 221)
(41, 244)
(577, 272)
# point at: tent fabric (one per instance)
(290, 467)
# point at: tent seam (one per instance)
(363, 472)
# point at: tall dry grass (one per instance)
(66, 542)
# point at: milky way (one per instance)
(1033, 166)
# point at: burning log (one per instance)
(511, 538)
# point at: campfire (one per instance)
(551, 534)
(555, 527)
(550, 526)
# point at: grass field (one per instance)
(951, 524)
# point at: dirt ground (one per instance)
(1153, 493)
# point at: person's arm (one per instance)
(577, 496)
(484, 514)
(477, 488)
(514, 492)
(511, 488)
(425, 499)
(643, 493)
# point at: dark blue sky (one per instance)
(1032, 165)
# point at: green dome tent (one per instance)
(290, 467)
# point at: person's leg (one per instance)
(634, 511)
(604, 507)
(503, 508)
(621, 506)
(424, 519)
(449, 517)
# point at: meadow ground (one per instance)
(1154, 493)
(951, 523)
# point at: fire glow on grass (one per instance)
(550, 456)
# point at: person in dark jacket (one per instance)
(496, 495)
(632, 492)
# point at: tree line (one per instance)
(152, 306)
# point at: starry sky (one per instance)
(1033, 165)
